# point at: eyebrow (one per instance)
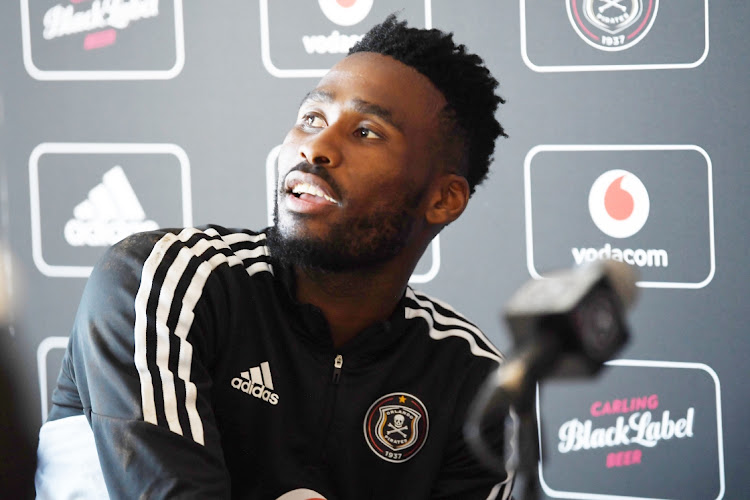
(359, 105)
(317, 96)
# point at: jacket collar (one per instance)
(312, 325)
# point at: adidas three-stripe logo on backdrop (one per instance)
(110, 212)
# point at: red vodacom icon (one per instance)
(618, 203)
(345, 12)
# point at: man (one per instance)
(296, 362)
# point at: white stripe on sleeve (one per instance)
(427, 303)
(148, 405)
(184, 323)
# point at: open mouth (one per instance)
(310, 188)
(308, 191)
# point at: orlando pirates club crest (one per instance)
(612, 25)
(396, 426)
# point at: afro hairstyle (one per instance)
(460, 76)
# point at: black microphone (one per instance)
(565, 325)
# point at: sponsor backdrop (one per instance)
(628, 125)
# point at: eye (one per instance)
(312, 120)
(366, 133)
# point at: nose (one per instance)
(322, 148)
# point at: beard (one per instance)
(356, 244)
(362, 243)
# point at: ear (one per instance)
(448, 200)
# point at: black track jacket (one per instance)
(202, 377)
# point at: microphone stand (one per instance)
(509, 394)
(569, 324)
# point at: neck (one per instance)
(351, 301)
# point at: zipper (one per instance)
(329, 408)
(338, 363)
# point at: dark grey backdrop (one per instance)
(194, 79)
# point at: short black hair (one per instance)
(468, 86)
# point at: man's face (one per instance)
(354, 170)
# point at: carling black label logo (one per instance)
(303, 38)
(110, 191)
(642, 430)
(585, 203)
(611, 35)
(102, 39)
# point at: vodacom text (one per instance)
(635, 257)
(335, 43)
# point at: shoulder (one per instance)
(207, 246)
(446, 324)
(169, 262)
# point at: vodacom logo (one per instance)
(345, 12)
(618, 203)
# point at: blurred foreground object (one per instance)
(565, 325)
(17, 445)
(5, 286)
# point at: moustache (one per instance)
(319, 171)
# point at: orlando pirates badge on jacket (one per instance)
(396, 426)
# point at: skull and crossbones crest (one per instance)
(397, 426)
(612, 16)
(612, 25)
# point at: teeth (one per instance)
(304, 187)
